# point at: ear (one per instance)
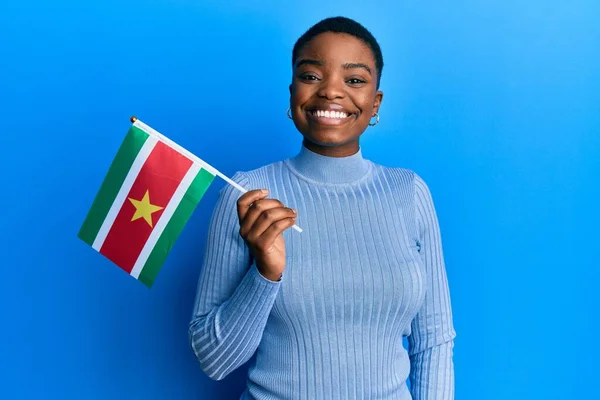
(377, 101)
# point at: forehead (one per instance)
(337, 48)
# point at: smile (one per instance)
(328, 117)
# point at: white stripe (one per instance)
(165, 218)
(134, 171)
(150, 131)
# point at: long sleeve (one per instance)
(432, 335)
(233, 299)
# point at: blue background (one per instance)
(496, 104)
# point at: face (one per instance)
(334, 93)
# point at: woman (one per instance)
(325, 310)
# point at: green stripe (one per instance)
(120, 166)
(182, 214)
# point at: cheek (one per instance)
(300, 94)
(365, 103)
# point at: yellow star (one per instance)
(143, 208)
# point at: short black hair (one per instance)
(342, 25)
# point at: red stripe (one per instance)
(160, 176)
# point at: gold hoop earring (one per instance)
(376, 120)
(288, 112)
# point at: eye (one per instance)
(308, 77)
(355, 81)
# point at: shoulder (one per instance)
(256, 178)
(262, 176)
(402, 177)
(405, 180)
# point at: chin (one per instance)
(327, 139)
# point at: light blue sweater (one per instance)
(367, 270)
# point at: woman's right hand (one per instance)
(262, 222)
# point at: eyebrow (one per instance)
(307, 61)
(357, 65)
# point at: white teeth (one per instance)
(330, 114)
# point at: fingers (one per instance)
(258, 207)
(267, 238)
(255, 211)
(246, 199)
(257, 215)
(258, 221)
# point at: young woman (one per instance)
(325, 310)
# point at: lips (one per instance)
(331, 114)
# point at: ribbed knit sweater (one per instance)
(366, 271)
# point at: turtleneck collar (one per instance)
(331, 170)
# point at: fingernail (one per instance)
(294, 211)
(264, 191)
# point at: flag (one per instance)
(150, 191)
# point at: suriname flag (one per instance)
(150, 191)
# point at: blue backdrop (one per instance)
(496, 104)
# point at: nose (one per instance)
(331, 88)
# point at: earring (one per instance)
(288, 112)
(376, 120)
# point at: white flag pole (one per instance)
(136, 122)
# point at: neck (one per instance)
(344, 150)
(329, 169)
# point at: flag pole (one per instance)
(194, 158)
